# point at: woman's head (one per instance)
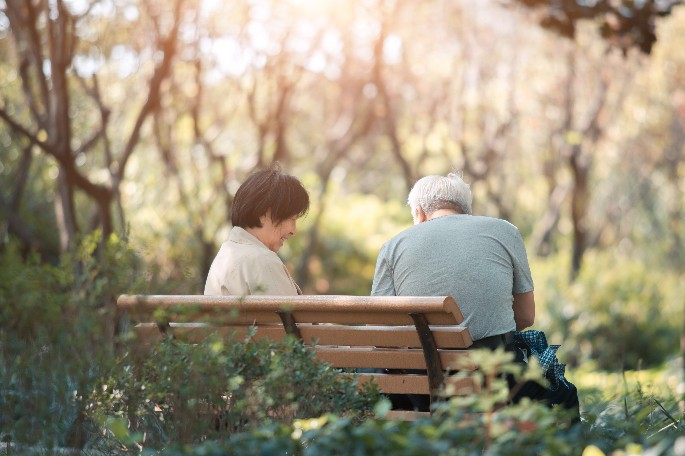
(269, 199)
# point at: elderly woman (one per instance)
(264, 215)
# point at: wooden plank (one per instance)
(191, 314)
(370, 318)
(406, 415)
(301, 302)
(218, 316)
(417, 384)
(197, 333)
(384, 336)
(369, 357)
(396, 384)
(142, 304)
(377, 336)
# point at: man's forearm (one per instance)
(524, 310)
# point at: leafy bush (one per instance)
(186, 393)
(473, 425)
(56, 328)
(63, 382)
(619, 313)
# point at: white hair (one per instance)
(432, 193)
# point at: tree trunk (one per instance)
(580, 199)
(65, 212)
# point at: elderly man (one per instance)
(479, 261)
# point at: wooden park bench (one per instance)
(363, 332)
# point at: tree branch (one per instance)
(17, 127)
(162, 71)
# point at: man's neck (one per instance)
(442, 212)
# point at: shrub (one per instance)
(62, 383)
(56, 328)
(619, 313)
(186, 393)
(473, 425)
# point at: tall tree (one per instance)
(50, 53)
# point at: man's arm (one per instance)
(383, 284)
(524, 310)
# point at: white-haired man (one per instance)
(479, 261)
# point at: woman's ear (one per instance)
(266, 218)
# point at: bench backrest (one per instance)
(368, 332)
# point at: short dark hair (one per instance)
(268, 189)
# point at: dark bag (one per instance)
(560, 392)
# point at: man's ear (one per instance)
(420, 216)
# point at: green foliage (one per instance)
(56, 332)
(619, 313)
(185, 393)
(637, 420)
(473, 425)
(36, 210)
(62, 383)
(355, 227)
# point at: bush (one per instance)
(56, 329)
(187, 393)
(619, 314)
(63, 383)
(474, 425)
(626, 320)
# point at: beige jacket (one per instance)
(245, 266)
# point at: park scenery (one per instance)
(126, 127)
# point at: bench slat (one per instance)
(384, 336)
(396, 384)
(219, 316)
(415, 384)
(369, 357)
(196, 334)
(347, 305)
(374, 318)
(377, 336)
(405, 415)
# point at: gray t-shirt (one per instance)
(479, 261)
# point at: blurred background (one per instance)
(139, 119)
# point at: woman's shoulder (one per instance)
(260, 256)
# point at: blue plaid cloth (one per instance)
(537, 344)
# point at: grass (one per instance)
(663, 381)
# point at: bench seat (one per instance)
(355, 332)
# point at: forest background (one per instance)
(140, 119)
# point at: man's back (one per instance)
(480, 261)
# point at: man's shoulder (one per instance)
(481, 222)
(401, 238)
(493, 222)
